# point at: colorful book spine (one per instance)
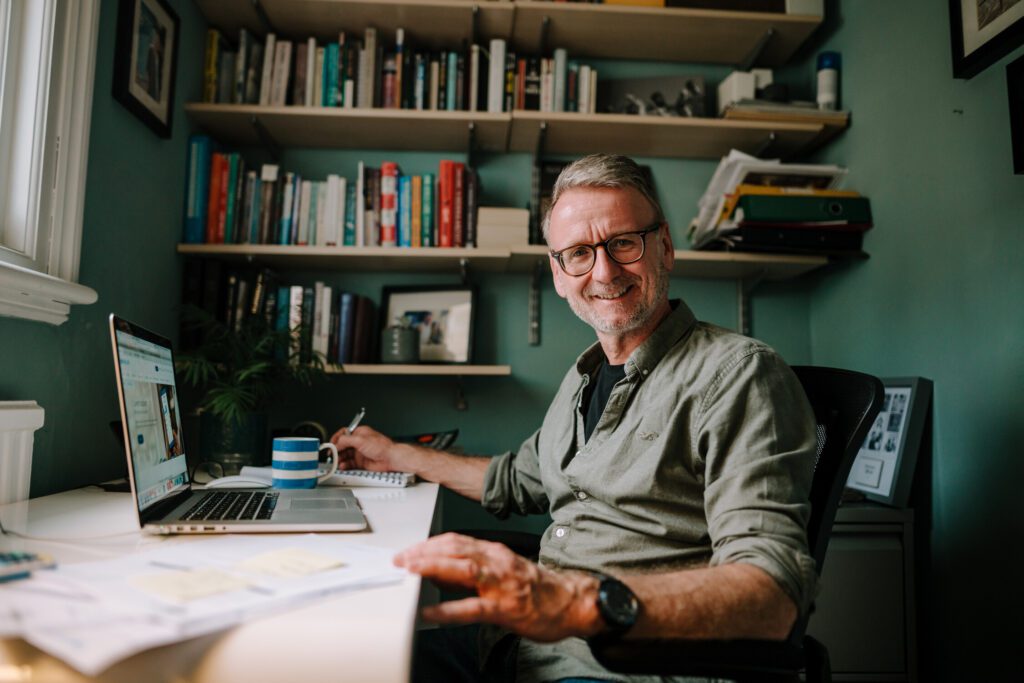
(346, 327)
(445, 200)
(416, 211)
(458, 204)
(333, 90)
(230, 204)
(388, 204)
(428, 226)
(404, 211)
(211, 62)
(197, 188)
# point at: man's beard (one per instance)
(637, 318)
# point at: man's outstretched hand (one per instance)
(537, 603)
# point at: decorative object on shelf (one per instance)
(239, 370)
(145, 56)
(884, 467)
(828, 80)
(1015, 87)
(663, 96)
(442, 316)
(982, 33)
(400, 342)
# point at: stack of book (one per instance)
(767, 206)
(227, 203)
(339, 326)
(503, 227)
(363, 71)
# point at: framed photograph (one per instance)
(982, 32)
(443, 315)
(146, 49)
(884, 466)
(1015, 91)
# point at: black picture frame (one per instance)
(976, 48)
(1015, 95)
(444, 315)
(145, 61)
(884, 467)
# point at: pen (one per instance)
(356, 420)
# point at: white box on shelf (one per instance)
(739, 85)
(18, 422)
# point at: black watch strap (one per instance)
(617, 604)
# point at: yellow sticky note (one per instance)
(289, 563)
(186, 585)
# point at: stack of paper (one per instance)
(93, 614)
(499, 226)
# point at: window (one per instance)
(47, 59)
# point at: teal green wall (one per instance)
(131, 224)
(940, 298)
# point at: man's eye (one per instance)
(578, 253)
(621, 243)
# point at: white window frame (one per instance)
(44, 143)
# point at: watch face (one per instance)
(618, 605)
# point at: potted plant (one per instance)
(239, 369)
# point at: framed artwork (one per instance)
(1015, 92)
(884, 466)
(443, 316)
(982, 32)
(145, 53)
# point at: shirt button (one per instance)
(559, 532)
(579, 453)
(581, 495)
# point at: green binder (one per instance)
(803, 209)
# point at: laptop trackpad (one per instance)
(314, 504)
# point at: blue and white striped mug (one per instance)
(296, 462)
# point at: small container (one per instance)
(400, 345)
(828, 80)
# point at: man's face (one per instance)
(615, 299)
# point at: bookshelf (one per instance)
(424, 370)
(706, 265)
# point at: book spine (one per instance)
(458, 204)
(316, 323)
(242, 65)
(428, 225)
(360, 204)
(471, 187)
(230, 203)
(304, 199)
(224, 172)
(445, 193)
(404, 211)
(346, 326)
(435, 84)
(399, 64)
(416, 211)
(268, 187)
(318, 78)
(331, 66)
(198, 187)
(496, 76)
(253, 72)
(285, 227)
(211, 62)
(225, 76)
(267, 77)
(452, 84)
(510, 81)
(349, 235)
(474, 77)
(388, 203)
(306, 326)
(282, 72)
(561, 58)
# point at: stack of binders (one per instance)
(794, 220)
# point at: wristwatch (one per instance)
(617, 604)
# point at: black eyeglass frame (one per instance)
(643, 232)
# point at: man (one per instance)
(676, 456)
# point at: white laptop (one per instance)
(154, 445)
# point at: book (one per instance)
(388, 203)
(472, 187)
(496, 76)
(365, 332)
(211, 64)
(400, 56)
(242, 58)
(218, 164)
(445, 199)
(230, 197)
(281, 73)
(428, 225)
(226, 76)
(404, 211)
(416, 211)
(244, 230)
(560, 71)
(197, 188)
(458, 204)
(253, 72)
(349, 230)
(268, 192)
(266, 78)
(306, 325)
(301, 90)
(346, 328)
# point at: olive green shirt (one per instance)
(703, 456)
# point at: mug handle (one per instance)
(334, 461)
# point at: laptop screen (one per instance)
(149, 406)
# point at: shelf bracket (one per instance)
(769, 140)
(744, 288)
(471, 144)
(257, 7)
(545, 29)
(533, 332)
(474, 26)
(755, 53)
(460, 395)
(266, 139)
(538, 148)
(464, 270)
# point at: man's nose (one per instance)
(605, 268)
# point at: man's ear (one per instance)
(556, 275)
(669, 255)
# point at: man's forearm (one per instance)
(723, 602)
(460, 473)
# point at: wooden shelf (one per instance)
(716, 265)
(585, 30)
(431, 259)
(332, 127)
(422, 369)
(661, 34)
(658, 136)
(566, 133)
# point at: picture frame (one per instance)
(982, 32)
(1015, 96)
(145, 59)
(443, 315)
(884, 466)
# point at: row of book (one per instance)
(365, 72)
(228, 203)
(767, 206)
(339, 326)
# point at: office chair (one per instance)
(845, 404)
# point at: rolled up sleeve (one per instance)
(512, 482)
(757, 440)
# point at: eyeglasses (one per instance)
(624, 248)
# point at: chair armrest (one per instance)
(738, 660)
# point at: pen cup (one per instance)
(296, 461)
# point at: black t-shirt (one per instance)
(601, 389)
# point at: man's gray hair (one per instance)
(603, 171)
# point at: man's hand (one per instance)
(537, 603)
(366, 449)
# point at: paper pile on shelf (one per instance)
(737, 168)
(94, 614)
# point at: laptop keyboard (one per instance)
(233, 505)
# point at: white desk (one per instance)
(364, 636)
